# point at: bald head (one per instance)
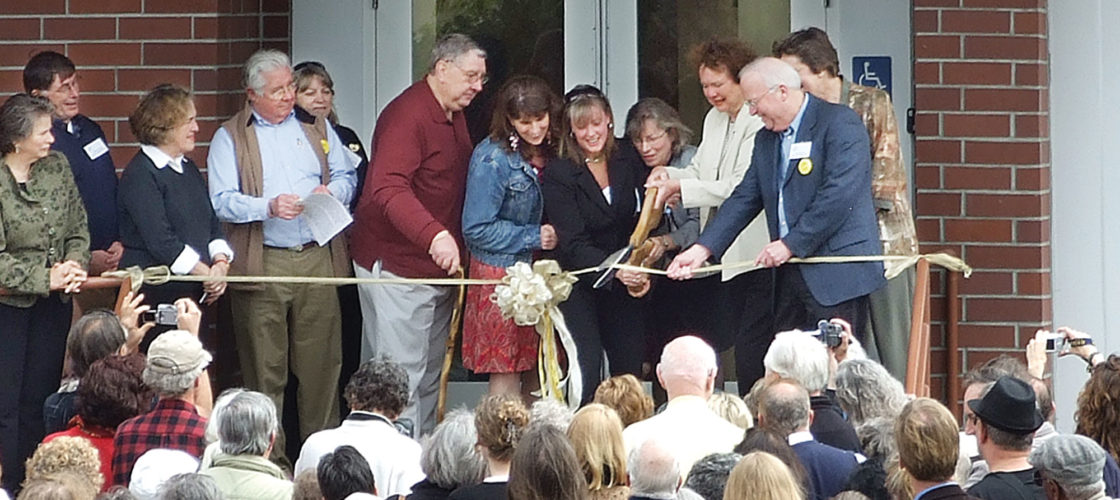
(654, 470)
(687, 367)
(784, 408)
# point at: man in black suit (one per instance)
(928, 445)
(811, 171)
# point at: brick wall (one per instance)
(124, 47)
(983, 166)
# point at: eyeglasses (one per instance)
(279, 93)
(473, 77)
(650, 139)
(754, 102)
(69, 87)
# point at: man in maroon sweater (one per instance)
(408, 220)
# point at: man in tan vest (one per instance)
(262, 163)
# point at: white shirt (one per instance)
(688, 428)
(393, 457)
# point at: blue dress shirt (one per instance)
(289, 166)
(788, 138)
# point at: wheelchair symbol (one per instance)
(870, 78)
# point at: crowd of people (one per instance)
(793, 161)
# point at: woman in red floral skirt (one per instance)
(502, 226)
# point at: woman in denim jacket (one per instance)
(502, 226)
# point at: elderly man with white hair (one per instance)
(263, 162)
(811, 172)
(247, 428)
(799, 356)
(687, 427)
(654, 471)
(1070, 467)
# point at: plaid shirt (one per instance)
(172, 424)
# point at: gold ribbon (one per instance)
(530, 295)
(158, 275)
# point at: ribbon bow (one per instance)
(530, 295)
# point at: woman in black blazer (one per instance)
(165, 213)
(592, 198)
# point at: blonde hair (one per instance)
(762, 476)
(501, 420)
(66, 454)
(596, 435)
(580, 104)
(625, 395)
(732, 408)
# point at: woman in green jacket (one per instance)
(44, 250)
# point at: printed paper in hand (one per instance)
(325, 216)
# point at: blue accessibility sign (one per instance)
(873, 71)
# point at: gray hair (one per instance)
(550, 412)
(799, 356)
(876, 437)
(190, 486)
(17, 118)
(773, 72)
(261, 62)
(784, 408)
(708, 476)
(663, 115)
(1074, 461)
(216, 413)
(96, 335)
(866, 390)
(450, 47)
(654, 470)
(449, 457)
(248, 424)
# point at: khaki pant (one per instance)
(292, 327)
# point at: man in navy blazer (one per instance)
(811, 171)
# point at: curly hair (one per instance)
(112, 391)
(66, 454)
(500, 420)
(379, 385)
(718, 54)
(625, 395)
(1098, 414)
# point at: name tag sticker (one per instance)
(96, 149)
(800, 150)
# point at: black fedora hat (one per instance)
(1009, 406)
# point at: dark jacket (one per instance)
(828, 205)
(828, 468)
(830, 427)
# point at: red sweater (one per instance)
(102, 439)
(415, 185)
